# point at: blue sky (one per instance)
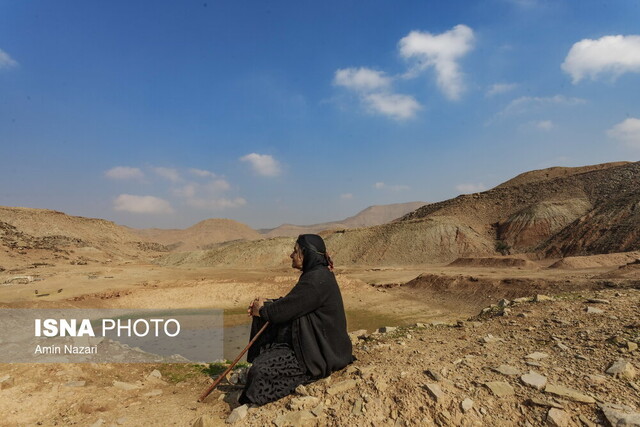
(163, 113)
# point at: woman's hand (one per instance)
(256, 305)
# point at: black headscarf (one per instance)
(314, 252)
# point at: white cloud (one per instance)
(263, 164)
(612, 55)
(346, 196)
(442, 52)
(6, 61)
(217, 186)
(545, 125)
(124, 172)
(499, 88)
(361, 79)
(168, 173)
(374, 90)
(627, 131)
(202, 173)
(396, 106)
(142, 204)
(188, 190)
(216, 203)
(383, 186)
(470, 188)
(209, 195)
(528, 103)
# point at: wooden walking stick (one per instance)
(224, 374)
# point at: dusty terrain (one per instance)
(388, 383)
(499, 299)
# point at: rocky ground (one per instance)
(569, 360)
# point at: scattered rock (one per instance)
(545, 403)
(357, 407)
(298, 418)
(541, 298)
(500, 388)
(237, 414)
(466, 405)
(6, 381)
(617, 417)
(507, 370)
(304, 402)
(631, 346)
(597, 379)
(593, 310)
(535, 380)
(341, 387)
(98, 423)
(122, 420)
(568, 393)
(154, 375)
(387, 329)
(433, 374)
(153, 393)
(435, 391)
(207, 421)
(586, 421)
(538, 355)
(622, 368)
(125, 386)
(558, 418)
(302, 390)
(491, 339)
(318, 411)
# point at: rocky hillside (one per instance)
(35, 236)
(201, 235)
(556, 172)
(371, 216)
(570, 360)
(610, 227)
(567, 211)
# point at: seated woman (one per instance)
(307, 334)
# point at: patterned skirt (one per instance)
(275, 373)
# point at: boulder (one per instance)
(237, 414)
(341, 387)
(535, 380)
(568, 393)
(558, 418)
(500, 388)
(622, 368)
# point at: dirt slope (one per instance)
(523, 218)
(555, 172)
(201, 235)
(32, 236)
(371, 216)
(525, 229)
(610, 227)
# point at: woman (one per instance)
(307, 336)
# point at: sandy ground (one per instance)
(49, 394)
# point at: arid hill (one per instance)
(371, 216)
(563, 212)
(201, 235)
(555, 172)
(36, 236)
